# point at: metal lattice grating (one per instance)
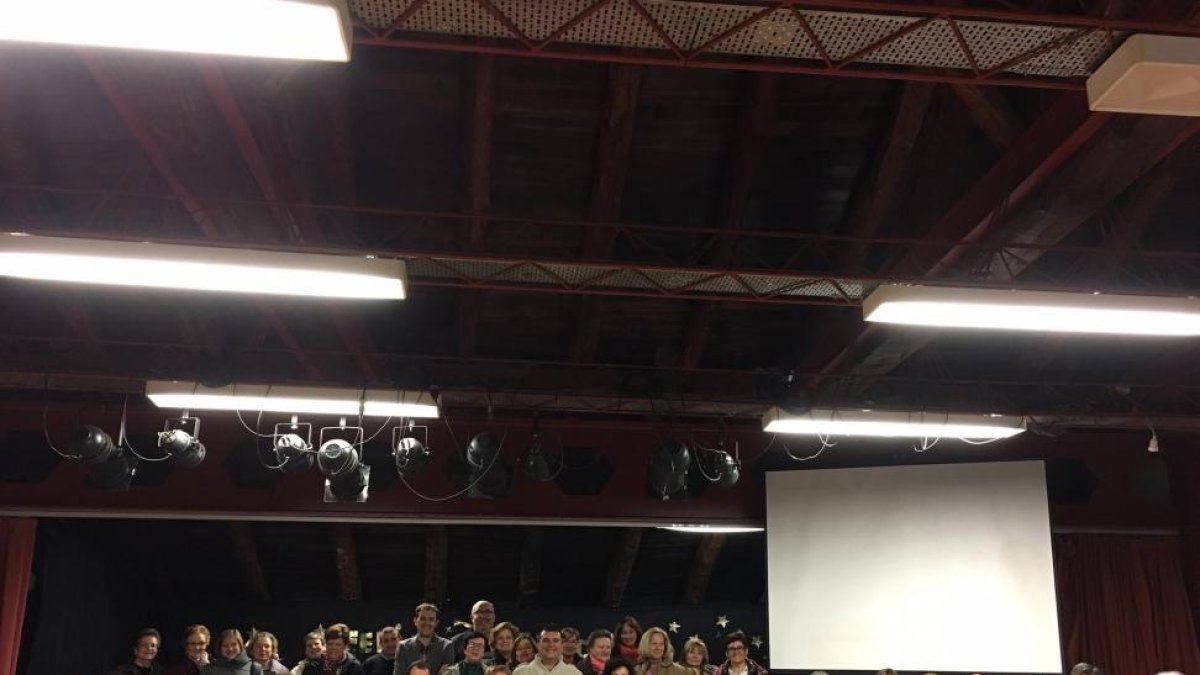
(776, 33)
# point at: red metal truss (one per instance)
(846, 38)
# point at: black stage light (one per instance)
(667, 473)
(346, 477)
(412, 457)
(108, 467)
(186, 450)
(292, 453)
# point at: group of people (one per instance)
(488, 647)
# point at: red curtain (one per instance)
(16, 565)
(1123, 604)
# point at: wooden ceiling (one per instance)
(478, 157)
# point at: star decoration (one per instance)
(673, 627)
(757, 641)
(695, 636)
(722, 621)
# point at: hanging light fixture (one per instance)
(107, 465)
(183, 446)
(317, 30)
(293, 452)
(346, 477)
(535, 463)
(199, 268)
(411, 457)
(892, 424)
(291, 399)
(668, 470)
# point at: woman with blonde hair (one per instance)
(264, 650)
(195, 651)
(232, 658)
(695, 658)
(502, 637)
(656, 655)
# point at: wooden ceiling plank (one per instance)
(246, 553)
(621, 567)
(478, 96)
(346, 559)
(708, 550)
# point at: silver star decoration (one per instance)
(722, 621)
(757, 641)
(695, 636)
(673, 627)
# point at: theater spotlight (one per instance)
(292, 446)
(488, 475)
(108, 467)
(346, 477)
(183, 446)
(723, 468)
(667, 473)
(536, 464)
(412, 457)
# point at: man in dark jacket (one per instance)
(337, 659)
(145, 649)
(384, 663)
(435, 650)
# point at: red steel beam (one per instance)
(157, 156)
(277, 183)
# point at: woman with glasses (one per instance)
(195, 651)
(737, 657)
(657, 654)
(474, 647)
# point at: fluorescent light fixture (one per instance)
(712, 529)
(200, 268)
(316, 30)
(1149, 74)
(1033, 311)
(891, 424)
(292, 400)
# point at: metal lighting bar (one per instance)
(200, 268)
(316, 30)
(292, 399)
(891, 424)
(1033, 311)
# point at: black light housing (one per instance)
(723, 468)
(346, 477)
(488, 475)
(108, 467)
(411, 456)
(293, 453)
(186, 450)
(668, 470)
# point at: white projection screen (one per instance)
(941, 568)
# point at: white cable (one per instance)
(468, 488)
(46, 433)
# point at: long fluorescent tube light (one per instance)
(711, 529)
(316, 30)
(200, 268)
(892, 424)
(1033, 311)
(292, 400)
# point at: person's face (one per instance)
(483, 617)
(146, 649)
(629, 636)
(503, 642)
(550, 645)
(658, 646)
(570, 644)
(473, 650)
(389, 642)
(335, 650)
(694, 657)
(195, 645)
(524, 651)
(736, 651)
(230, 648)
(601, 649)
(314, 647)
(262, 650)
(426, 622)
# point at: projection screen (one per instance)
(941, 568)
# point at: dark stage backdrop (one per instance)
(92, 592)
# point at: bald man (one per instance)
(483, 618)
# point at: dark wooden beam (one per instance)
(435, 564)
(245, 550)
(747, 149)
(158, 158)
(262, 152)
(621, 566)
(346, 559)
(707, 553)
(613, 145)
(478, 86)
(991, 113)
(531, 568)
(875, 197)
